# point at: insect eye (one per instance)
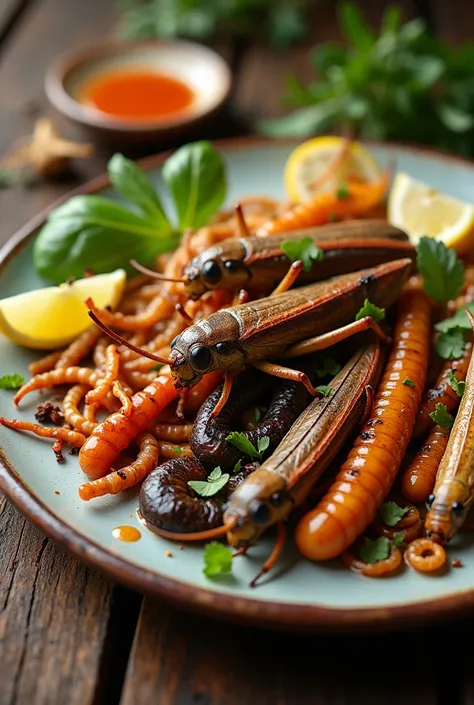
(175, 340)
(200, 357)
(260, 513)
(232, 266)
(278, 499)
(224, 347)
(457, 508)
(211, 272)
(430, 500)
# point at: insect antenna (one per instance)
(179, 308)
(122, 341)
(196, 536)
(242, 229)
(155, 275)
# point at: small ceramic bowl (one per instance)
(201, 69)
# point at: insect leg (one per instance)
(184, 314)
(289, 279)
(271, 368)
(228, 380)
(320, 342)
(369, 402)
(274, 555)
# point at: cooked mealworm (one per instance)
(79, 348)
(72, 415)
(176, 433)
(442, 392)
(370, 469)
(419, 478)
(90, 411)
(114, 434)
(65, 434)
(170, 451)
(45, 364)
(58, 450)
(410, 526)
(128, 476)
(69, 375)
(143, 364)
(104, 384)
(137, 380)
(196, 396)
(326, 205)
(373, 570)
(425, 555)
(119, 392)
(99, 352)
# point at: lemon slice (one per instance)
(419, 210)
(310, 162)
(52, 317)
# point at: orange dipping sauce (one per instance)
(137, 95)
(126, 533)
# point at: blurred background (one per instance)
(389, 71)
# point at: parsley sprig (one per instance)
(240, 441)
(442, 417)
(217, 559)
(456, 384)
(391, 513)
(370, 309)
(304, 250)
(442, 272)
(208, 488)
(13, 381)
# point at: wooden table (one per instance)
(67, 635)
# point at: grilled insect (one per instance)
(453, 492)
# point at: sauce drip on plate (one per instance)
(137, 95)
(126, 533)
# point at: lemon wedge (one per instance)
(308, 165)
(419, 210)
(49, 318)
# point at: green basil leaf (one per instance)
(356, 30)
(95, 232)
(302, 123)
(137, 187)
(455, 119)
(195, 175)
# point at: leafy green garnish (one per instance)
(217, 559)
(324, 390)
(214, 483)
(441, 416)
(391, 513)
(408, 382)
(329, 366)
(371, 551)
(178, 449)
(237, 466)
(459, 320)
(157, 367)
(450, 345)
(257, 414)
(304, 250)
(342, 192)
(457, 385)
(13, 381)
(280, 22)
(369, 309)
(97, 231)
(400, 83)
(398, 539)
(240, 441)
(441, 270)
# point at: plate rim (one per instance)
(276, 615)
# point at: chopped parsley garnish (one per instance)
(408, 382)
(450, 345)
(391, 513)
(441, 416)
(214, 483)
(13, 381)
(370, 309)
(398, 539)
(257, 414)
(442, 272)
(304, 250)
(457, 385)
(459, 320)
(240, 441)
(373, 551)
(237, 466)
(328, 367)
(178, 449)
(324, 390)
(217, 559)
(342, 192)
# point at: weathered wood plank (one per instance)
(180, 659)
(54, 620)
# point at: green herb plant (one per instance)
(397, 83)
(281, 22)
(100, 233)
(12, 381)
